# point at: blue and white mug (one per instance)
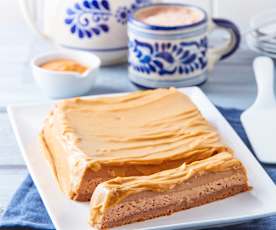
(164, 56)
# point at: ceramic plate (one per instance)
(70, 215)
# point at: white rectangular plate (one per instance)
(70, 215)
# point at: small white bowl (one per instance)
(57, 84)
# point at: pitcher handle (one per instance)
(29, 17)
(219, 53)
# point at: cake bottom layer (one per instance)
(198, 191)
(58, 159)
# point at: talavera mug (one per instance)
(98, 26)
(164, 56)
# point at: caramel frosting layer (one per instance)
(115, 190)
(141, 128)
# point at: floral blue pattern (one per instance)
(167, 58)
(139, 3)
(122, 14)
(88, 18)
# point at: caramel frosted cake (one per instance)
(128, 199)
(89, 141)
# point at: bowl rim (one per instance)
(73, 55)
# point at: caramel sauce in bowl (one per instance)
(65, 74)
(64, 65)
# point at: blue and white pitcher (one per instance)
(99, 26)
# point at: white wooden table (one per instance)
(231, 85)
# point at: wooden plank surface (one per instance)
(10, 178)
(230, 79)
(9, 151)
(12, 167)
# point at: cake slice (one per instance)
(125, 200)
(89, 141)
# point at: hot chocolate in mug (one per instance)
(98, 26)
(168, 45)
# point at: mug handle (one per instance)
(219, 53)
(29, 16)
